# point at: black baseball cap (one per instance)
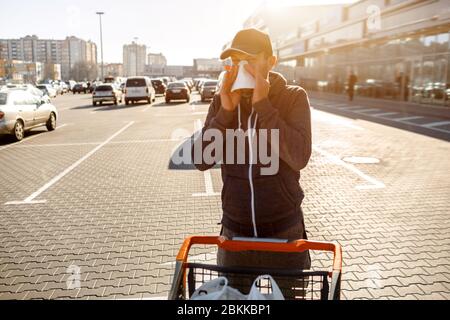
(249, 41)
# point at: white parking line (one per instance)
(374, 184)
(407, 118)
(182, 114)
(208, 186)
(322, 116)
(335, 105)
(28, 138)
(95, 143)
(146, 108)
(30, 199)
(431, 126)
(367, 110)
(58, 145)
(354, 107)
(207, 173)
(384, 114)
(436, 124)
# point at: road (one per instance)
(99, 201)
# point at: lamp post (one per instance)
(101, 41)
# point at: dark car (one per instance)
(209, 90)
(91, 87)
(159, 86)
(79, 88)
(177, 91)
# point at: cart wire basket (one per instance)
(296, 284)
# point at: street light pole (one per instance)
(101, 41)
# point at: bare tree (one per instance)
(82, 71)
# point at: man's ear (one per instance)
(272, 61)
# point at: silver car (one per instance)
(107, 92)
(20, 111)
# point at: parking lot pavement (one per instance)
(436, 125)
(108, 208)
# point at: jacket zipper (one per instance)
(252, 131)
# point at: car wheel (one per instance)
(127, 102)
(19, 131)
(94, 103)
(51, 122)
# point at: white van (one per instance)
(139, 88)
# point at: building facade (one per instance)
(207, 67)
(156, 62)
(23, 71)
(113, 69)
(134, 59)
(286, 23)
(65, 53)
(398, 49)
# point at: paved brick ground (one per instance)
(122, 214)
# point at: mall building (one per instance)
(398, 49)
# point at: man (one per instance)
(257, 205)
(352, 79)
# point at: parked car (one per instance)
(166, 80)
(47, 89)
(57, 88)
(79, 88)
(107, 92)
(198, 82)
(34, 90)
(20, 111)
(139, 88)
(209, 90)
(71, 84)
(159, 86)
(200, 85)
(64, 87)
(177, 91)
(189, 84)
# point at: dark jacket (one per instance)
(276, 198)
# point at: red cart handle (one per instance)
(233, 245)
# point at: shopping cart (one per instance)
(300, 284)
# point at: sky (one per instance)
(182, 30)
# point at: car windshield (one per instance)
(103, 88)
(136, 83)
(3, 98)
(177, 85)
(42, 87)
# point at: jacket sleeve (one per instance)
(294, 132)
(217, 118)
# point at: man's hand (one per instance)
(230, 100)
(260, 73)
